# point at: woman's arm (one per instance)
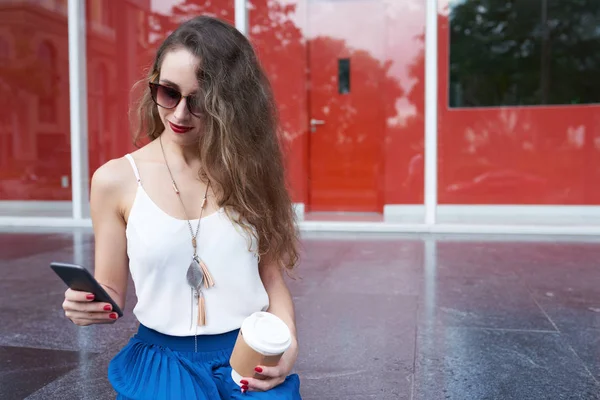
(280, 298)
(111, 255)
(109, 184)
(280, 304)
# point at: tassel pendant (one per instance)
(197, 277)
(208, 279)
(201, 310)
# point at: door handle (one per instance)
(314, 123)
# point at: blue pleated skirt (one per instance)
(157, 366)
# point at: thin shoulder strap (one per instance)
(134, 167)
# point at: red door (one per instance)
(345, 53)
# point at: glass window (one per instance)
(35, 161)
(524, 52)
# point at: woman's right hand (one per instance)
(82, 310)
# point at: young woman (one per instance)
(201, 218)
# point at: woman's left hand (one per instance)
(268, 377)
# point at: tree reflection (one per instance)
(517, 155)
(161, 25)
(411, 133)
(507, 52)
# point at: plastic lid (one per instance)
(266, 333)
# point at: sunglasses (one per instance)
(169, 98)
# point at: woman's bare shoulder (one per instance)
(117, 175)
(113, 187)
(114, 175)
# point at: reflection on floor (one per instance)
(380, 317)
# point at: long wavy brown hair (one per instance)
(240, 149)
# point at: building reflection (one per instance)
(375, 127)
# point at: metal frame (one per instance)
(553, 220)
(78, 108)
(241, 16)
(431, 112)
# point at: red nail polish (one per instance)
(90, 297)
(113, 315)
(244, 387)
(258, 369)
(107, 307)
(244, 382)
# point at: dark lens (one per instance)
(167, 97)
(195, 105)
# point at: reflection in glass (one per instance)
(35, 161)
(345, 165)
(528, 52)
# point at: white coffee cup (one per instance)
(262, 340)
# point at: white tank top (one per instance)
(160, 251)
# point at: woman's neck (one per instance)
(179, 156)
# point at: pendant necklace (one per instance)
(197, 274)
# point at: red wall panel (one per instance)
(405, 94)
(279, 34)
(515, 155)
(35, 152)
(278, 39)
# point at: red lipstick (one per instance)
(179, 129)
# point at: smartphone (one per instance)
(78, 278)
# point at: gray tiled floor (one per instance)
(380, 317)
